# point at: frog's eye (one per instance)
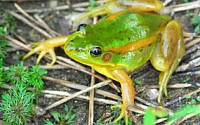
(81, 26)
(95, 51)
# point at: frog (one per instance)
(122, 42)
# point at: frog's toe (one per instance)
(53, 57)
(159, 99)
(165, 91)
(43, 51)
(37, 49)
(40, 56)
(123, 113)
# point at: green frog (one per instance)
(122, 42)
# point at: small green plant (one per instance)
(17, 74)
(151, 113)
(186, 110)
(7, 25)
(8, 22)
(3, 42)
(17, 105)
(66, 118)
(30, 77)
(137, 82)
(2, 73)
(36, 73)
(195, 21)
(93, 4)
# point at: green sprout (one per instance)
(195, 21)
(151, 113)
(3, 42)
(30, 77)
(8, 22)
(93, 4)
(17, 105)
(189, 109)
(7, 25)
(2, 73)
(66, 118)
(17, 74)
(137, 82)
(36, 73)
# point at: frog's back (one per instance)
(121, 30)
(125, 27)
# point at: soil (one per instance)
(62, 22)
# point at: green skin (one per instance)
(152, 37)
(123, 42)
(126, 28)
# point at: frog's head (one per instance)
(86, 46)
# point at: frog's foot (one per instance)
(167, 55)
(123, 113)
(43, 48)
(47, 46)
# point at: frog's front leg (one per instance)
(168, 53)
(47, 46)
(128, 92)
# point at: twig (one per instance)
(134, 118)
(56, 66)
(30, 24)
(64, 7)
(193, 63)
(193, 92)
(82, 87)
(17, 42)
(192, 43)
(161, 120)
(144, 101)
(183, 97)
(188, 73)
(166, 2)
(77, 94)
(58, 94)
(192, 49)
(186, 117)
(180, 7)
(91, 102)
(20, 38)
(32, 19)
(69, 61)
(62, 93)
(178, 85)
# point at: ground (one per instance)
(62, 21)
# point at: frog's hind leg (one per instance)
(167, 54)
(128, 92)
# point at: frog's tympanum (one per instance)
(122, 42)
